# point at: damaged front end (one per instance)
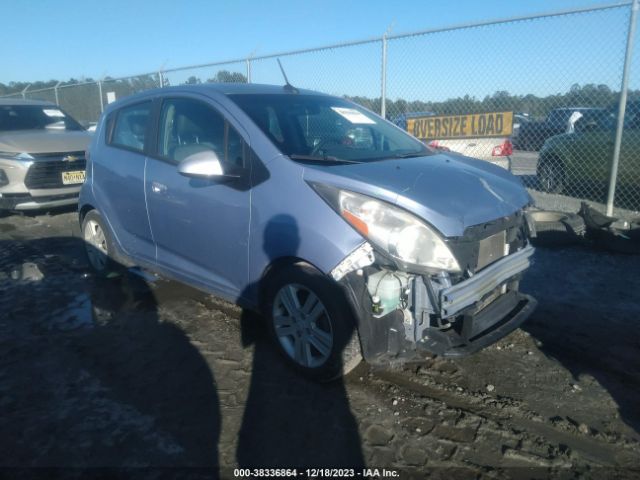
(401, 310)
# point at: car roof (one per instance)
(252, 88)
(20, 101)
(236, 88)
(211, 89)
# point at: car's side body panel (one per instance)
(290, 220)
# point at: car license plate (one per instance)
(491, 249)
(71, 178)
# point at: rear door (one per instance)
(118, 179)
(200, 226)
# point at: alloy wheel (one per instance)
(302, 325)
(96, 244)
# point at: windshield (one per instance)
(35, 117)
(326, 127)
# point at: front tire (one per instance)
(98, 244)
(311, 323)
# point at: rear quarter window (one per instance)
(131, 126)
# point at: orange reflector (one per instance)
(358, 224)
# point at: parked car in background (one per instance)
(518, 120)
(532, 135)
(584, 156)
(485, 136)
(350, 236)
(42, 155)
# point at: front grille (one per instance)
(47, 171)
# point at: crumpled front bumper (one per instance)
(449, 320)
(457, 297)
(480, 330)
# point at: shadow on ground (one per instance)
(102, 381)
(95, 377)
(590, 327)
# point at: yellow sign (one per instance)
(494, 124)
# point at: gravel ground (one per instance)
(147, 374)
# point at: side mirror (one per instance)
(204, 164)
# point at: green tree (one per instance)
(225, 76)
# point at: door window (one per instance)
(131, 126)
(188, 126)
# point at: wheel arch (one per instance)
(83, 212)
(275, 266)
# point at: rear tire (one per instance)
(311, 323)
(99, 245)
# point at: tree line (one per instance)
(81, 98)
(589, 95)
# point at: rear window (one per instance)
(130, 129)
(35, 117)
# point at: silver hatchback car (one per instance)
(42, 155)
(353, 238)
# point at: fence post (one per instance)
(24, 91)
(621, 109)
(383, 78)
(100, 93)
(248, 61)
(55, 92)
(161, 78)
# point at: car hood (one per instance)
(449, 191)
(43, 141)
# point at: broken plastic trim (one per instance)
(361, 257)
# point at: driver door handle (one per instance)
(158, 188)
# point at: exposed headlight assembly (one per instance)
(403, 236)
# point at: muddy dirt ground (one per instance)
(134, 373)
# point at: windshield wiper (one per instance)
(324, 158)
(411, 154)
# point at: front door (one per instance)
(200, 225)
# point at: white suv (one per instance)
(42, 155)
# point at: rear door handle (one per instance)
(158, 188)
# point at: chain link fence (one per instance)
(538, 95)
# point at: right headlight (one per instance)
(401, 235)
